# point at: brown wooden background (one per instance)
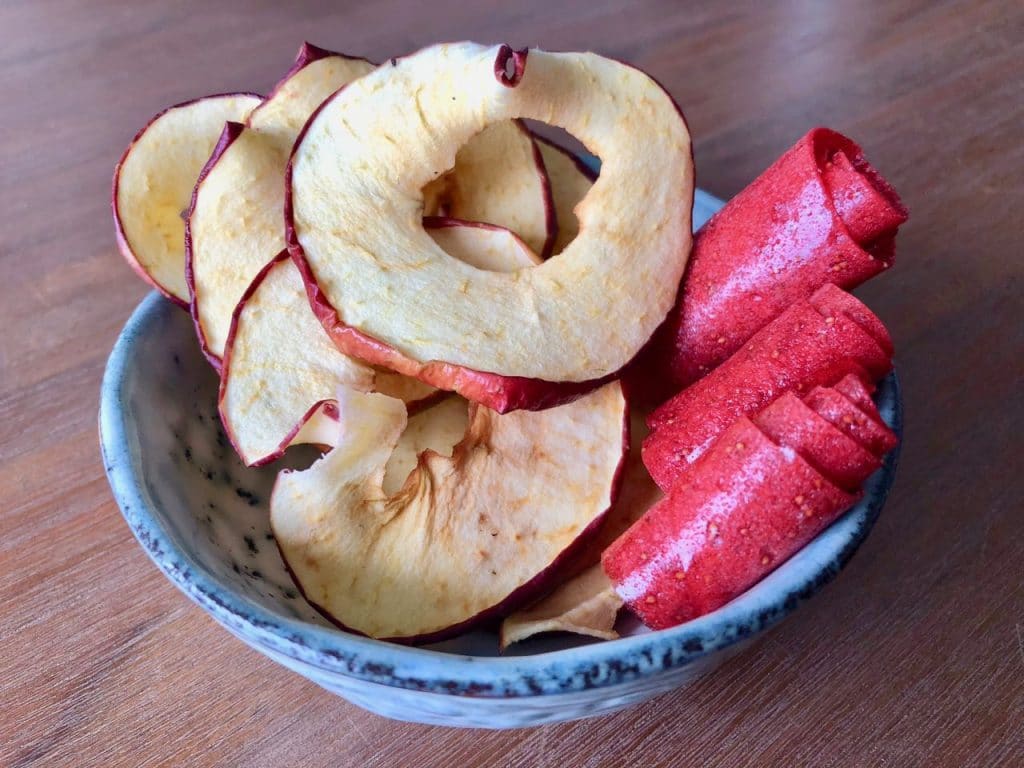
(914, 657)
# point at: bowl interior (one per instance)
(202, 515)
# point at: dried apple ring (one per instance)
(471, 532)
(529, 339)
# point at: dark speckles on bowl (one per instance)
(202, 517)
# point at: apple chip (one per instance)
(466, 536)
(234, 224)
(570, 181)
(584, 605)
(527, 339)
(281, 370)
(153, 184)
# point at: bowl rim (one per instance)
(332, 651)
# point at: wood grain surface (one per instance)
(914, 657)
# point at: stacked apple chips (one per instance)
(385, 262)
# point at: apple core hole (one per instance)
(496, 202)
(425, 433)
(571, 168)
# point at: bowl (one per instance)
(202, 517)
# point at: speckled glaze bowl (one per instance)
(202, 517)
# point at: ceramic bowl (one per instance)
(202, 518)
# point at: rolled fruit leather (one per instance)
(863, 427)
(802, 348)
(764, 489)
(858, 389)
(745, 507)
(820, 214)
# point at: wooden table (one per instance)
(914, 657)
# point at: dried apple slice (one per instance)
(529, 339)
(234, 222)
(584, 605)
(467, 536)
(153, 184)
(499, 178)
(281, 370)
(570, 181)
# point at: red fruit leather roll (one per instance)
(789, 422)
(821, 214)
(800, 349)
(862, 427)
(744, 508)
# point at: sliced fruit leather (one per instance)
(799, 350)
(846, 416)
(764, 489)
(745, 507)
(790, 423)
(859, 390)
(821, 214)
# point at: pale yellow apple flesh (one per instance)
(413, 392)
(438, 428)
(153, 185)
(315, 75)
(482, 246)
(282, 370)
(584, 605)
(465, 535)
(356, 183)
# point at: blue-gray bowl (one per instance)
(202, 518)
